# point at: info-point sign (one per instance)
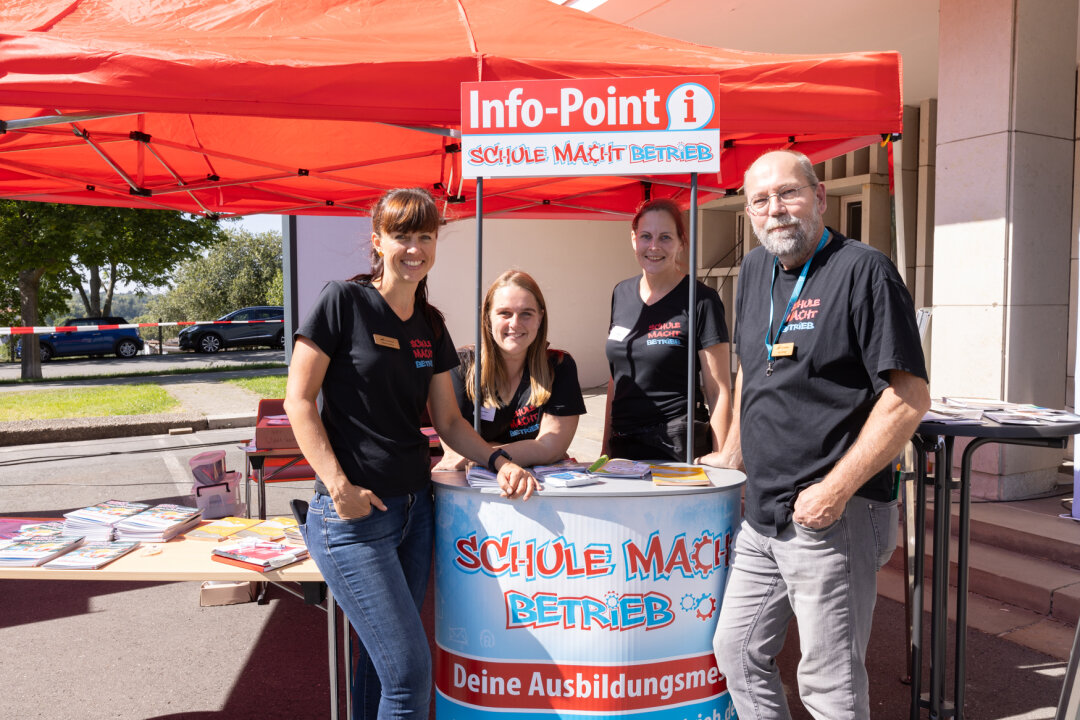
(575, 127)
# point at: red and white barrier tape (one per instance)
(37, 330)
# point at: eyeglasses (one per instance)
(760, 205)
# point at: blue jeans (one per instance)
(378, 567)
(825, 578)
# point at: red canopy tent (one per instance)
(274, 106)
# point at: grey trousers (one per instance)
(825, 578)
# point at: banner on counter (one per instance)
(576, 127)
(600, 688)
(601, 606)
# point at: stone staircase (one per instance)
(1024, 572)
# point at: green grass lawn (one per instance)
(86, 402)
(267, 386)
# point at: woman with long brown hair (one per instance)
(530, 396)
(377, 352)
(647, 349)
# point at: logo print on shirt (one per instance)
(665, 333)
(422, 352)
(802, 314)
(526, 420)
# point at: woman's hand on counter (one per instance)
(516, 482)
(354, 502)
(719, 459)
(451, 461)
(715, 459)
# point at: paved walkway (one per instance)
(207, 402)
(223, 404)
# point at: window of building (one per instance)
(852, 219)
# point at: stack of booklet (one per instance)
(568, 478)
(49, 529)
(294, 536)
(962, 410)
(32, 551)
(91, 556)
(159, 523)
(221, 529)
(619, 468)
(568, 473)
(1031, 415)
(96, 522)
(258, 555)
(684, 475)
(479, 477)
(271, 529)
(233, 528)
(943, 412)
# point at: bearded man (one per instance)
(831, 385)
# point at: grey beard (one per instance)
(793, 244)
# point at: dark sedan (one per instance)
(212, 338)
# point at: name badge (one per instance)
(387, 342)
(487, 413)
(783, 349)
(618, 333)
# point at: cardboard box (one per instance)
(273, 433)
(213, 593)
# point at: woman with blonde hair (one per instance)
(530, 397)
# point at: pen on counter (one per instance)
(599, 463)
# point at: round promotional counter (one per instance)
(584, 602)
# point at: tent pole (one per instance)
(1075, 512)
(691, 320)
(478, 403)
(45, 120)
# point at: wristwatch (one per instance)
(495, 456)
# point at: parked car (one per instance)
(125, 342)
(211, 338)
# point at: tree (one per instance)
(137, 247)
(242, 269)
(48, 243)
(52, 299)
(34, 237)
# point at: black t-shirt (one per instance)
(646, 351)
(853, 322)
(519, 419)
(376, 386)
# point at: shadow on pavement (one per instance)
(1004, 680)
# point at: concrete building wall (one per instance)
(1002, 215)
(575, 262)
